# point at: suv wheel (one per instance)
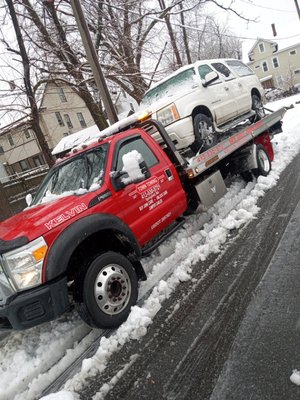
(205, 137)
(258, 107)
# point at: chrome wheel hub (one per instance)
(112, 289)
(264, 161)
(207, 133)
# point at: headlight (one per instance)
(168, 115)
(24, 265)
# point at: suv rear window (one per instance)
(240, 68)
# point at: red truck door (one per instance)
(149, 206)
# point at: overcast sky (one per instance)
(282, 13)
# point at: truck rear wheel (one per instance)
(110, 289)
(263, 161)
(205, 137)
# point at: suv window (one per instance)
(240, 68)
(139, 145)
(223, 70)
(204, 70)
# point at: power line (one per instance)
(267, 8)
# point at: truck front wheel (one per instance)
(110, 288)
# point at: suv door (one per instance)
(217, 95)
(231, 87)
(149, 206)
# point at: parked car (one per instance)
(200, 100)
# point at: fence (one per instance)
(14, 189)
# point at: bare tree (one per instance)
(28, 88)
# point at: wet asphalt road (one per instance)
(232, 332)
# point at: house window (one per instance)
(81, 120)
(293, 52)
(62, 95)
(275, 62)
(59, 119)
(37, 161)
(66, 134)
(297, 71)
(265, 66)
(1, 150)
(261, 47)
(68, 121)
(26, 133)
(24, 165)
(10, 140)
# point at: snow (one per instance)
(30, 360)
(295, 377)
(131, 162)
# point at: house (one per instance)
(275, 68)
(61, 112)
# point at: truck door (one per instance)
(149, 206)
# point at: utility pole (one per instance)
(297, 7)
(93, 61)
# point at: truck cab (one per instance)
(111, 197)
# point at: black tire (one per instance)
(258, 107)
(205, 137)
(247, 176)
(263, 161)
(109, 290)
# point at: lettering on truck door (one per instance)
(149, 205)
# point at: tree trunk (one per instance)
(185, 38)
(171, 34)
(33, 106)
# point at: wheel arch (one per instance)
(202, 110)
(255, 92)
(85, 238)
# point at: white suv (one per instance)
(200, 100)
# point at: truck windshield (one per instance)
(77, 176)
(183, 80)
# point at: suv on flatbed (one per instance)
(200, 100)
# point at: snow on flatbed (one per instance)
(30, 360)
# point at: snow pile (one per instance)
(295, 377)
(131, 162)
(30, 360)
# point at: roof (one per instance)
(184, 68)
(261, 40)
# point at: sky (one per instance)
(265, 12)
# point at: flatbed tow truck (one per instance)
(105, 205)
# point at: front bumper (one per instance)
(181, 133)
(35, 306)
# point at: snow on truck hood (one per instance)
(38, 220)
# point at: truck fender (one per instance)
(65, 244)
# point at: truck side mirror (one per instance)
(210, 78)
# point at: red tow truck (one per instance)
(104, 206)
